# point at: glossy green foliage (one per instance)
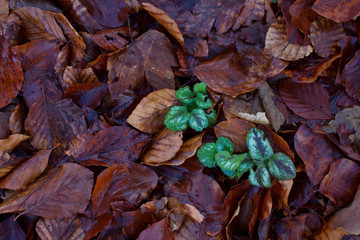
(260, 161)
(192, 112)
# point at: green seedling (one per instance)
(261, 160)
(192, 111)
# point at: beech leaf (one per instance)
(68, 228)
(338, 11)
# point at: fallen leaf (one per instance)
(164, 146)
(159, 230)
(63, 192)
(350, 75)
(150, 57)
(149, 114)
(331, 234)
(11, 76)
(235, 129)
(324, 35)
(278, 45)
(341, 182)
(338, 11)
(73, 76)
(17, 119)
(302, 15)
(164, 19)
(4, 10)
(110, 146)
(266, 95)
(316, 152)
(291, 227)
(12, 142)
(111, 39)
(26, 172)
(87, 94)
(134, 222)
(259, 118)
(310, 101)
(67, 228)
(10, 229)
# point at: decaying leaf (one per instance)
(278, 44)
(350, 76)
(149, 114)
(52, 228)
(63, 192)
(10, 229)
(17, 119)
(302, 15)
(338, 11)
(111, 39)
(73, 76)
(87, 94)
(10, 143)
(159, 231)
(259, 118)
(164, 146)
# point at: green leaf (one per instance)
(222, 156)
(177, 118)
(260, 178)
(200, 101)
(228, 173)
(246, 163)
(200, 88)
(259, 148)
(185, 95)
(230, 163)
(281, 167)
(198, 120)
(212, 118)
(206, 155)
(224, 143)
(190, 106)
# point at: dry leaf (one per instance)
(87, 94)
(27, 171)
(63, 192)
(331, 234)
(278, 45)
(4, 10)
(10, 143)
(17, 119)
(74, 76)
(112, 39)
(149, 114)
(337, 10)
(164, 146)
(259, 118)
(164, 19)
(67, 228)
(266, 95)
(350, 76)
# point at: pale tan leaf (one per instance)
(17, 119)
(278, 45)
(5, 164)
(26, 172)
(60, 228)
(4, 10)
(164, 145)
(286, 186)
(259, 118)
(10, 143)
(187, 150)
(74, 76)
(164, 19)
(194, 213)
(324, 35)
(331, 234)
(266, 95)
(62, 192)
(149, 114)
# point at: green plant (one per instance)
(192, 111)
(261, 155)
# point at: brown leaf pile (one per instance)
(85, 87)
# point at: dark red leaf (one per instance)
(350, 76)
(158, 231)
(86, 95)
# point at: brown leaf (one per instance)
(11, 75)
(6, 163)
(12, 142)
(164, 19)
(331, 234)
(151, 55)
(134, 222)
(109, 186)
(26, 172)
(17, 119)
(291, 227)
(310, 101)
(10, 229)
(149, 114)
(74, 76)
(350, 76)
(53, 228)
(316, 152)
(324, 35)
(348, 217)
(187, 150)
(235, 129)
(97, 225)
(63, 192)
(338, 11)
(87, 94)
(4, 10)
(302, 15)
(110, 146)
(40, 125)
(111, 39)
(164, 146)
(278, 45)
(159, 231)
(266, 95)
(341, 182)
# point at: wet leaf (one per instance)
(110, 146)
(260, 178)
(73, 76)
(11, 76)
(310, 101)
(341, 182)
(52, 228)
(291, 228)
(278, 45)
(149, 114)
(259, 147)
(350, 75)
(206, 155)
(111, 39)
(12, 142)
(10, 229)
(302, 15)
(316, 152)
(164, 146)
(86, 95)
(63, 192)
(159, 230)
(26, 172)
(281, 167)
(338, 11)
